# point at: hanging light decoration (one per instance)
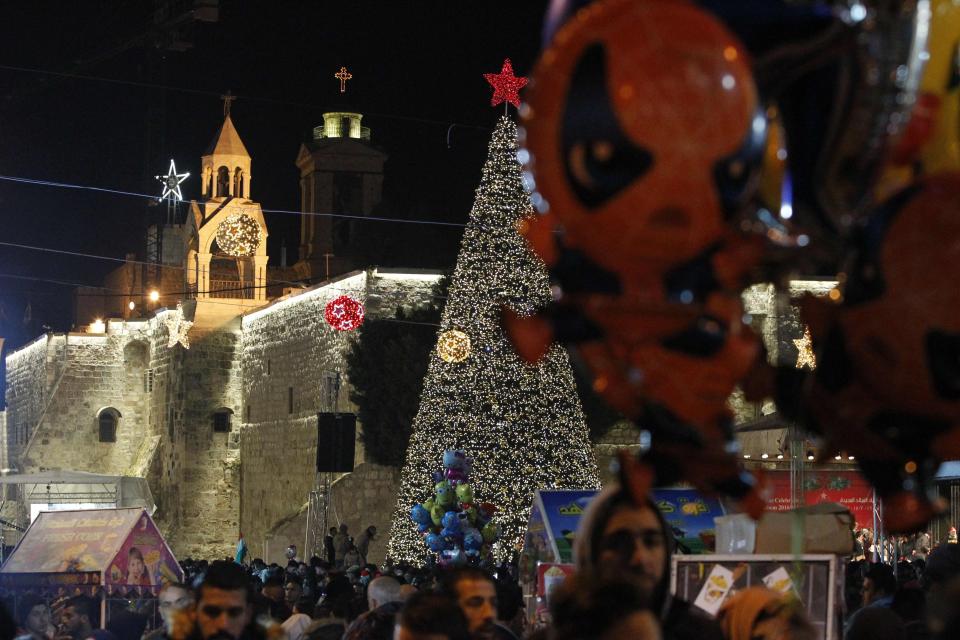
(238, 235)
(453, 346)
(344, 313)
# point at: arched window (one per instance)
(221, 420)
(107, 420)
(238, 182)
(223, 182)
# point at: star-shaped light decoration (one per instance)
(805, 356)
(171, 183)
(178, 328)
(505, 85)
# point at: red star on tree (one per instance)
(505, 85)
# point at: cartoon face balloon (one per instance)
(643, 127)
(887, 384)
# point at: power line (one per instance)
(218, 94)
(67, 185)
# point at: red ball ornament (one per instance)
(344, 313)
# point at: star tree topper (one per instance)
(178, 328)
(171, 183)
(505, 85)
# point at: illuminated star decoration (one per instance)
(505, 85)
(344, 313)
(171, 183)
(805, 356)
(178, 328)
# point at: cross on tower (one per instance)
(343, 75)
(227, 99)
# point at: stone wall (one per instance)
(210, 494)
(623, 434)
(26, 395)
(292, 364)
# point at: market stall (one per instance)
(102, 553)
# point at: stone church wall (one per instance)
(291, 358)
(25, 396)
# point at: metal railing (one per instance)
(230, 289)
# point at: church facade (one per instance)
(213, 395)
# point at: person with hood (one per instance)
(618, 538)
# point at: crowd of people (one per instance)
(620, 589)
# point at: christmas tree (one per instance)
(521, 424)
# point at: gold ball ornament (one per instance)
(453, 346)
(238, 235)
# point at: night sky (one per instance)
(417, 69)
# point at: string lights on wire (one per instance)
(522, 424)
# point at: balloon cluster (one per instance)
(453, 526)
(657, 212)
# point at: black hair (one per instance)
(226, 576)
(434, 614)
(882, 577)
(450, 578)
(85, 607)
(305, 605)
(375, 625)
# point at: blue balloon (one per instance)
(451, 520)
(419, 514)
(434, 542)
(472, 539)
(423, 528)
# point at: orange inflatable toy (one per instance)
(887, 384)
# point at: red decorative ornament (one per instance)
(505, 85)
(344, 313)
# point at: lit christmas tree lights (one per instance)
(522, 424)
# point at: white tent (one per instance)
(63, 487)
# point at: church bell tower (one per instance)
(341, 172)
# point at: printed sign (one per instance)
(779, 581)
(715, 589)
(690, 515)
(562, 511)
(843, 486)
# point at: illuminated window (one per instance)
(107, 420)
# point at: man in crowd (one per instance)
(292, 590)
(329, 548)
(78, 618)
(363, 542)
(175, 603)
(619, 539)
(273, 591)
(474, 590)
(383, 600)
(225, 604)
(431, 616)
(341, 544)
(33, 614)
(879, 587)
